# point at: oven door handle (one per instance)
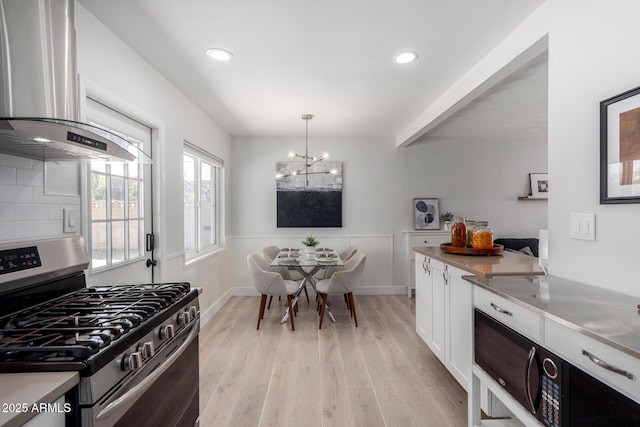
(527, 378)
(124, 402)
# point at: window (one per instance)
(202, 212)
(117, 194)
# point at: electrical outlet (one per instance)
(583, 226)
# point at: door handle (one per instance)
(151, 262)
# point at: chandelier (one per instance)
(309, 161)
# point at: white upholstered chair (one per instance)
(342, 282)
(269, 283)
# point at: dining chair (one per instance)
(342, 282)
(270, 253)
(269, 283)
(345, 256)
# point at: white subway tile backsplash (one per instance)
(16, 230)
(26, 213)
(32, 212)
(7, 212)
(8, 175)
(34, 178)
(15, 194)
(47, 228)
(17, 162)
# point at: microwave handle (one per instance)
(530, 359)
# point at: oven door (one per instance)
(509, 358)
(163, 392)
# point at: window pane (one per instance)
(98, 197)
(117, 169)
(117, 241)
(99, 166)
(117, 198)
(135, 239)
(207, 208)
(134, 199)
(98, 244)
(189, 203)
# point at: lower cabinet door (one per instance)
(459, 334)
(438, 303)
(424, 325)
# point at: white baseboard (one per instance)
(215, 307)
(364, 290)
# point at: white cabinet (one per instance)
(424, 296)
(443, 314)
(420, 238)
(459, 323)
(611, 366)
(438, 315)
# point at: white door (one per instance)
(120, 213)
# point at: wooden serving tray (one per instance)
(495, 250)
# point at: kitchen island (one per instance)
(444, 301)
(36, 397)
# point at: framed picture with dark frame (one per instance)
(620, 148)
(539, 183)
(426, 214)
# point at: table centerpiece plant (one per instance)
(310, 244)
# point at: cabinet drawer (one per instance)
(579, 350)
(428, 240)
(510, 314)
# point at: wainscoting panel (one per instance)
(378, 274)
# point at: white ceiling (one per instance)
(515, 108)
(330, 58)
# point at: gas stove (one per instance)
(130, 344)
(86, 329)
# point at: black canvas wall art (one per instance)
(309, 198)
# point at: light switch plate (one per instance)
(70, 220)
(583, 226)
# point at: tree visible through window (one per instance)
(201, 207)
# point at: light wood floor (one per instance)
(378, 374)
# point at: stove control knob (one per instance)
(166, 332)
(132, 361)
(146, 349)
(184, 318)
(193, 312)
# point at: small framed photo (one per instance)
(620, 148)
(539, 185)
(426, 214)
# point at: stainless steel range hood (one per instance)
(38, 88)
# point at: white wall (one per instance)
(476, 179)
(592, 56)
(104, 61)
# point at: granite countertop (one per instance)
(607, 316)
(21, 390)
(508, 263)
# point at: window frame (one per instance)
(201, 156)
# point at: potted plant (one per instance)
(446, 218)
(310, 244)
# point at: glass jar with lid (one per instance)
(482, 236)
(459, 233)
(471, 225)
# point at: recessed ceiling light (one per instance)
(406, 57)
(219, 54)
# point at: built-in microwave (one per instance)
(555, 392)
